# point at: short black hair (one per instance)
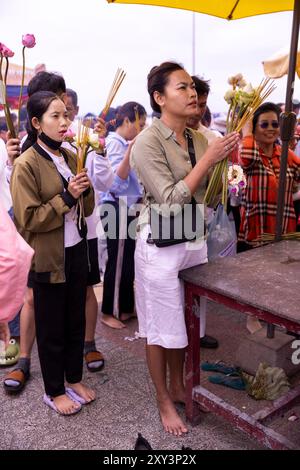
(46, 81)
(73, 95)
(265, 108)
(202, 86)
(206, 119)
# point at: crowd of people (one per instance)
(57, 211)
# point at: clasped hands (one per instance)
(79, 183)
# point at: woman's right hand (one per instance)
(221, 147)
(13, 147)
(79, 183)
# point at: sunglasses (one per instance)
(265, 124)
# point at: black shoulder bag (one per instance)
(186, 224)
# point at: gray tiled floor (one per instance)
(125, 404)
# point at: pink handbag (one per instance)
(15, 261)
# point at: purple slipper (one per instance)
(49, 402)
(74, 396)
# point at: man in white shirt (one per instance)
(202, 89)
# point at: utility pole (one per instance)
(193, 43)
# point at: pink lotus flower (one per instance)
(28, 40)
(69, 136)
(6, 52)
(102, 141)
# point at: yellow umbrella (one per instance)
(234, 9)
(228, 9)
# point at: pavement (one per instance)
(125, 403)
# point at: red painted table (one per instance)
(264, 282)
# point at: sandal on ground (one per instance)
(49, 402)
(15, 381)
(75, 397)
(94, 361)
(233, 382)
(219, 367)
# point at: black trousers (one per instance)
(126, 295)
(60, 322)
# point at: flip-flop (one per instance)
(49, 402)
(15, 381)
(75, 397)
(219, 367)
(233, 382)
(94, 358)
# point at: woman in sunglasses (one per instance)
(260, 159)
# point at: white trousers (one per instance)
(159, 292)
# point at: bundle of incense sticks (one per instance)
(235, 122)
(265, 88)
(119, 77)
(82, 144)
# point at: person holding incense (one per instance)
(16, 379)
(163, 157)
(45, 192)
(260, 160)
(118, 296)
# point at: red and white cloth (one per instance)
(259, 204)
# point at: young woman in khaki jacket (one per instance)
(45, 193)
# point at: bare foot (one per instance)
(112, 322)
(83, 391)
(177, 395)
(65, 405)
(170, 419)
(127, 316)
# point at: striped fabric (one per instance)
(258, 209)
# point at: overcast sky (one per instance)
(87, 40)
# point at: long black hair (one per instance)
(37, 105)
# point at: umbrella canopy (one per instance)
(277, 66)
(234, 9)
(228, 9)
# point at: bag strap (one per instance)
(192, 154)
(191, 149)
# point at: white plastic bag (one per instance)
(221, 240)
